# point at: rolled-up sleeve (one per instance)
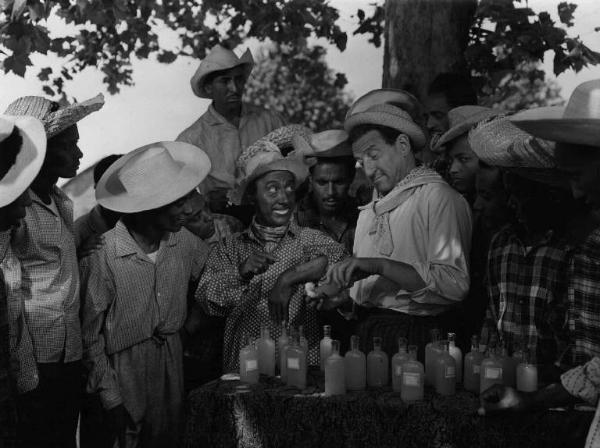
(584, 381)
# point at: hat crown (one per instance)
(34, 106)
(264, 153)
(155, 161)
(584, 101)
(462, 114)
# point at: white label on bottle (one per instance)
(476, 369)
(450, 372)
(411, 379)
(398, 371)
(293, 363)
(251, 364)
(493, 373)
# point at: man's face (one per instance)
(12, 214)
(175, 215)
(491, 203)
(583, 165)
(436, 115)
(275, 198)
(227, 88)
(330, 182)
(63, 154)
(384, 163)
(464, 164)
(201, 221)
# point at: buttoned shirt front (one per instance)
(224, 142)
(44, 243)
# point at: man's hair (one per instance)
(9, 149)
(347, 162)
(389, 134)
(103, 165)
(458, 89)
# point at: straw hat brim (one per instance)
(339, 148)
(198, 78)
(377, 118)
(111, 194)
(548, 123)
(29, 159)
(463, 127)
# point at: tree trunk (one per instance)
(424, 38)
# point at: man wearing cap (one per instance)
(22, 150)
(228, 126)
(134, 291)
(44, 243)
(410, 263)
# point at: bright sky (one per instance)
(161, 102)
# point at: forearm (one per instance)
(551, 396)
(306, 272)
(400, 273)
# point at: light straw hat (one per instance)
(152, 176)
(577, 123)
(396, 97)
(461, 120)
(219, 58)
(327, 144)
(54, 117)
(388, 116)
(28, 160)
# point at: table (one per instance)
(270, 414)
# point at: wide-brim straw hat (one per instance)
(329, 144)
(499, 142)
(577, 123)
(152, 176)
(219, 59)
(54, 117)
(396, 97)
(461, 119)
(283, 137)
(265, 156)
(29, 159)
(388, 116)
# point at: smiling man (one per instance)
(410, 263)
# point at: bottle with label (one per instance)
(456, 353)
(303, 340)
(283, 360)
(472, 366)
(509, 366)
(431, 351)
(266, 352)
(491, 371)
(296, 364)
(527, 374)
(325, 346)
(445, 378)
(282, 342)
(397, 360)
(335, 378)
(249, 362)
(355, 363)
(413, 377)
(377, 365)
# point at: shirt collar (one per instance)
(126, 245)
(214, 118)
(293, 230)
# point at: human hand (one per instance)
(221, 228)
(350, 270)
(256, 263)
(91, 245)
(279, 300)
(119, 420)
(500, 398)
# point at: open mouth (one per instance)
(283, 212)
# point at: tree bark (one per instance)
(424, 38)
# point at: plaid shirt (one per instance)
(526, 288)
(584, 299)
(44, 243)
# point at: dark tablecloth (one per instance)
(269, 414)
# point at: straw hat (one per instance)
(152, 176)
(461, 120)
(28, 160)
(283, 137)
(395, 97)
(264, 156)
(55, 118)
(388, 116)
(577, 123)
(219, 58)
(327, 144)
(498, 142)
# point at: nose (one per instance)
(478, 204)
(454, 167)
(576, 190)
(430, 123)
(368, 167)
(330, 188)
(231, 85)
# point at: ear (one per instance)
(208, 88)
(402, 144)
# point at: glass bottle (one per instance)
(296, 364)
(431, 350)
(413, 377)
(303, 340)
(456, 353)
(335, 378)
(282, 342)
(377, 365)
(445, 378)
(283, 360)
(491, 371)
(249, 372)
(509, 367)
(472, 366)
(355, 363)
(325, 346)
(397, 360)
(266, 352)
(527, 374)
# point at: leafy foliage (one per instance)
(107, 34)
(296, 82)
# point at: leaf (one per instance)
(48, 90)
(44, 74)
(166, 57)
(37, 11)
(565, 12)
(18, 8)
(360, 14)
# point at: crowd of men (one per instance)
(419, 215)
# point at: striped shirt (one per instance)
(44, 243)
(128, 299)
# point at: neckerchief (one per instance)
(401, 193)
(269, 236)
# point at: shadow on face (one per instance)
(274, 198)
